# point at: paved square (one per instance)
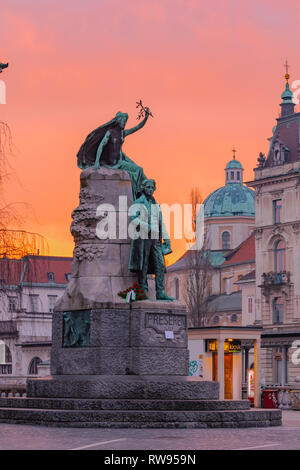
(22, 437)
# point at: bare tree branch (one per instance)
(198, 282)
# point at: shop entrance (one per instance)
(228, 370)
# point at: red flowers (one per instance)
(140, 294)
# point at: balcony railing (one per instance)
(5, 369)
(272, 279)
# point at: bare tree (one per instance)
(14, 242)
(199, 269)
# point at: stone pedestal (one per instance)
(144, 338)
(100, 266)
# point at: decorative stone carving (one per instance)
(261, 160)
(296, 227)
(274, 278)
(277, 230)
(89, 252)
(86, 197)
(258, 233)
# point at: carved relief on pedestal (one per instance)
(88, 252)
(84, 216)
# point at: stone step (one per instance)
(123, 404)
(123, 387)
(140, 419)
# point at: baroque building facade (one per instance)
(277, 240)
(29, 289)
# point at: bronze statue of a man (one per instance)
(147, 252)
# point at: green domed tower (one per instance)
(230, 210)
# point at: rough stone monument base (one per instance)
(132, 372)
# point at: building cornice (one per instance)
(273, 179)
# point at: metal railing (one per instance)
(5, 369)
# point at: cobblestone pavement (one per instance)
(23, 437)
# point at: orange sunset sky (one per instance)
(211, 72)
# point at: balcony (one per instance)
(275, 278)
(275, 281)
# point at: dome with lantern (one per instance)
(233, 199)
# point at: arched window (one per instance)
(33, 370)
(279, 254)
(8, 358)
(277, 310)
(234, 318)
(226, 241)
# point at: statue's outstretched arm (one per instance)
(139, 126)
(100, 149)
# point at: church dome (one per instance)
(233, 164)
(233, 199)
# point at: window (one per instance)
(250, 304)
(277, 310)
(33, 370)
(238, 175)
(5, 359)
(234, 318)
(68, 276)
(216, 320)
(277, 367)
(34, 302)
(2, 352)
(232, 175)
(51, 302)
(50, 277)
(279, 256)
(226, 241)
(277, 205)
(12, 304)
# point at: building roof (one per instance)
(247, 277)
(225, 303)
(233, 199)
(38, 267)
(35, 269)
(10, 271)
(244, 253)
(216, 258)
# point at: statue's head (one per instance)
(121, 119)
(148, 187)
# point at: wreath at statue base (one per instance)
(133, 293)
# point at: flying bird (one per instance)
(3, 66)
